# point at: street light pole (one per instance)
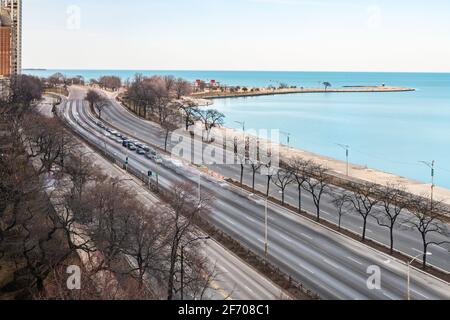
(288, 137)
(199, 187)
(431, 165)
(347, 154)
(182, 262)
(409, 276)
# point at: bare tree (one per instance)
(427, 220)
(92, 97)
(185, 210)
(300, 172)
(168, 121)
(364, 200)
(255, 166)
(341, 202)
(182, 88)
(190, 111)
(282, 180)
(211, 119)
(269, 171)
(147, 242)
(393, 199)
(317, 184)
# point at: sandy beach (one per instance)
(356, 172)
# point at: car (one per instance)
(107, 135)
(140, 151)
(112, 137)
(118, 140)
(132, 147)
(124, 138)
(125, 143)
(158, 160)
(146, 148)
(113, 132)
(151, 154)
(119, 135)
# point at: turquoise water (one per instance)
(386, 131)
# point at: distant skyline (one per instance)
(250, 35)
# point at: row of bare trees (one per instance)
(33, 237)
(390, 205)
(159, 99)
(37, 155)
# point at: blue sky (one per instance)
(309, 35)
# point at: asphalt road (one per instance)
(407, 240)
(235, 279)
(328, 263)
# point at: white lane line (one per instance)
(417, 250)
(355, 261)
(309, 270)
(306, 236)
(332, 264)
(420, 294)
(249, 289)
(389, 296)
(440, 248)
(328, 214)
(229, 221)
(285, 238)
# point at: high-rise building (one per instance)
(5, 45)
(13, 9)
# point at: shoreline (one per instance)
(357, 172)
(267, 92)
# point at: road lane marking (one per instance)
(285, 238)
(355, 261)
(389, 296)
(420, 294)
(306, 236)
(440, 248)
(331, 264)
(307, 269)
(417, 250)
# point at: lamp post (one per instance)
(288, 137)
(347, 154)
(199, 191)
(431, 166)
(409, 276)
(182, 261)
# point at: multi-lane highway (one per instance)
(234, 279)
(407, 240)
(330, 264)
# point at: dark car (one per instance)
(132, 147)
(125, 143)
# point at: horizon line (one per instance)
(236, 70)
